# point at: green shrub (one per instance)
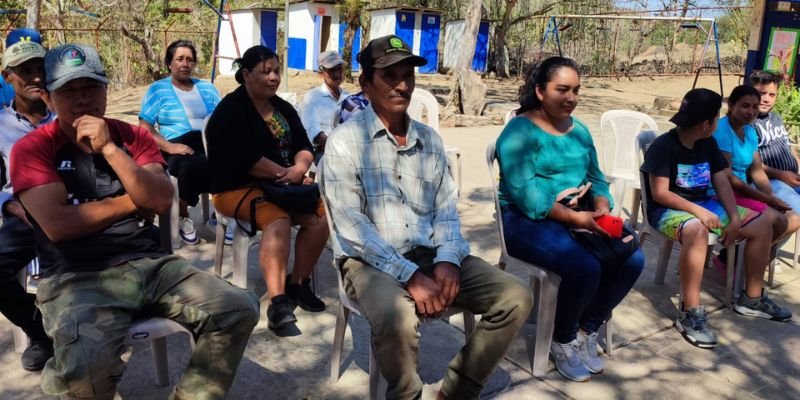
(788, 106)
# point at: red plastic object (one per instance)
(611, 224)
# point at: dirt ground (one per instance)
(597, 94)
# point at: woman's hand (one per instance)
(601, 206)
(585, 220)
(178, 149)
(292, 175)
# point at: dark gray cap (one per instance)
(72, 61)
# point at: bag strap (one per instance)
(578, 193)
(253, 228)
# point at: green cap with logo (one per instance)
(386, 51)
(72, 61)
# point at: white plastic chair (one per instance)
(377, 385)
(423, 100)
(665, 243)
(510, 115)
(619, 128)
(544, 284)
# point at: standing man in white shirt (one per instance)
(320, 105)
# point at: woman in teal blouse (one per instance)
(543, 152)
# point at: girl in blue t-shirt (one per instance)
(738, 142)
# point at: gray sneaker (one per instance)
(568, 361)
(693, 326)
(588, 352)
(761, 307)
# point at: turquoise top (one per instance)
(741, 151)
(536, 166)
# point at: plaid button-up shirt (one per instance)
(386, 199)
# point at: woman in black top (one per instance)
(255, 135)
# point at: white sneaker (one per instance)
(187, 231)
(588, 351)
(568, 361)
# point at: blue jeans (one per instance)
(589, 290)
(786, 193)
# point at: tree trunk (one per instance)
(32, 15)
(351, 16)
(500, 50)
(145, 41)
(471, 24)
(467, 91)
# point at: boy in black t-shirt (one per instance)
(681, 166)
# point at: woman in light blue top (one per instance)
(542, 152)
(173, 110)
(738, 141)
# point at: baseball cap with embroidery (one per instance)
(72, 61)
(20, 52)
(386, 51)
(23, 35)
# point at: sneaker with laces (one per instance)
(588, 352)
(187, 231)
(229, 234)
(568, 361)
(304, 296)
(36, 355)
(279, 313)
(761, 307)
(693, 325)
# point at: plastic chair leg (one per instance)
(160, 363)
(609, 332)
(545, 324)
(204, 207)
(377, 385)
(637, 204)
(664, 251)
(338, 342)
(240, 244)
(219, 243)
(175, 215)
(729, 284)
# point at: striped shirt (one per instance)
(161, 106)
(388, 199)
(773, 142)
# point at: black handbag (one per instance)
(608, 250)
(295, 199)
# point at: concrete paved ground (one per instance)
(755, 358)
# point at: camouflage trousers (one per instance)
(88, 315)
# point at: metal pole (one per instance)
(285, 80)
(216, 41)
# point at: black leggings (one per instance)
(191, 170)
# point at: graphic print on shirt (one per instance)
(693, 176)
(87, 177)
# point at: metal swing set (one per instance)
(708, 26)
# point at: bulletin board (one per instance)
(782, 49)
